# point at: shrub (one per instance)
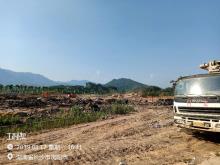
(121, 109)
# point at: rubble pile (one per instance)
(163, 102)
(26, 103)
(46, 106)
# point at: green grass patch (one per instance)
(74, 115)
(9, 120)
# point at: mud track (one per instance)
(144, 137)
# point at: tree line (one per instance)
(156, 91)
(89, 88)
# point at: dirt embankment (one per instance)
(144, 137)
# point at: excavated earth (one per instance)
(145, 137)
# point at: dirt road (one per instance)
(144, 137)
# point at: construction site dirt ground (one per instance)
(145, 137)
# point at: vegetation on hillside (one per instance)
(125, 85)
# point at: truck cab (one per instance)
(197, 100)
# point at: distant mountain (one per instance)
(78, 82)
(124, 84)
(8, 77)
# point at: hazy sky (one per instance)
(151, 41)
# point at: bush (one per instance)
(121, 109)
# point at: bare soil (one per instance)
(145, 137)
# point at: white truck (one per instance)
(197, 99)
